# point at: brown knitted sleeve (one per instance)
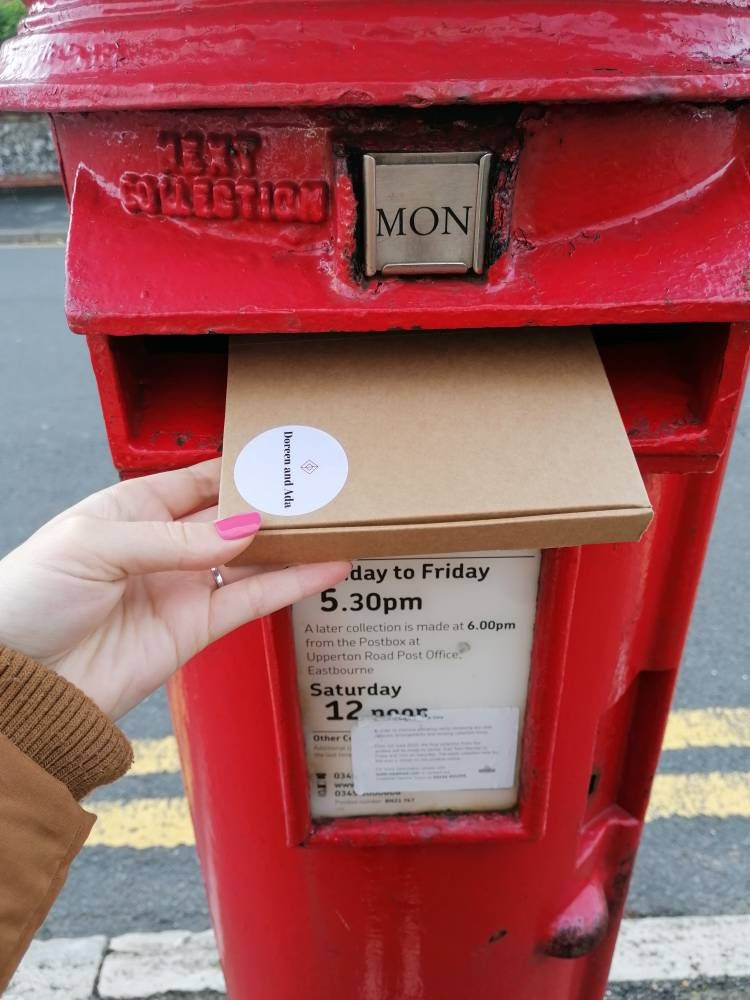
(58, 726)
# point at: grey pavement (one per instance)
(33, 216)
(53, 451)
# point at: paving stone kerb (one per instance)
(675, 948)
(149, 965)
(27, 153)
(60, 969)
(664, 958)
(699, 989)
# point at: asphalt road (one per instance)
(53, 451)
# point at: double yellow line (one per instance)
(165, 822)
(719, 794)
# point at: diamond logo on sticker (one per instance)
(309, 467)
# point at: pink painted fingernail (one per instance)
(238, 526)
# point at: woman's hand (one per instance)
(115, 594)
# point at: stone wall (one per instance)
(27, 153)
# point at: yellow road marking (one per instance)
(718, 794)
(708, 727)
(155, 757)
(141, 823)
(165, 822)
(704, 727)
(162, 822)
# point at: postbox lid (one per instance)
(404, 444)
(84, 55)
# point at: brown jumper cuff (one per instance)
(58, 726)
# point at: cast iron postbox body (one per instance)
(214, 160)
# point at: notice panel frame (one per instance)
(527, 821)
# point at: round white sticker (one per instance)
(291, 470)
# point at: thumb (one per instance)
(116, 549)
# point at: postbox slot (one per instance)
(167, 395)
(664, 377)
(163, 391)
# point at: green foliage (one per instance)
(11, 12)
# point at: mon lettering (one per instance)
(424, 221)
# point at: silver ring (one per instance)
(218, 578)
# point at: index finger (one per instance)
(164, 496)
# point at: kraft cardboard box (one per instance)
(362, 445)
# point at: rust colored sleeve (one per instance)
(42, 828)
(58, 726)
(55, 747)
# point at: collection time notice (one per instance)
(404, 639)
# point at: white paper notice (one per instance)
(456, 749)
(405, 638)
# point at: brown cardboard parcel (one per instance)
(456, 441)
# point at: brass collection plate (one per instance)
(425, 213)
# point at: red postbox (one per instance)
(215, 160)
